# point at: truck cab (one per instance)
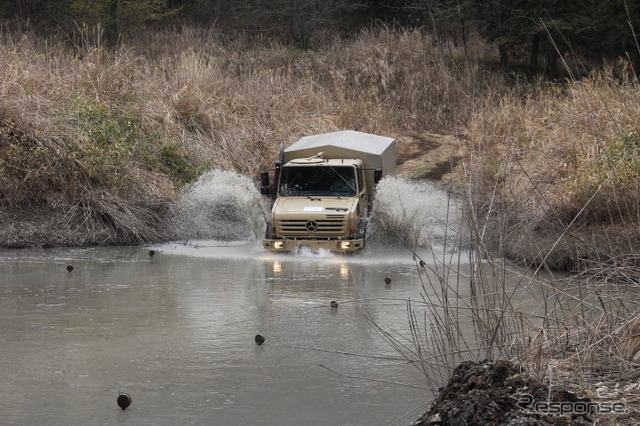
(322, 201)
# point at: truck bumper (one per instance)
(336, 246)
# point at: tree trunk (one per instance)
(552, 62)
(111, 24)
(217, 9)
(433, 20)
(535, 51)
(504, 56)
(463, 29)
(17, 8)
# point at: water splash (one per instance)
(226, 206)
(220, 205)
(413, 214)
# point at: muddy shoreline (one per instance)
(83, 226)
(500, 392)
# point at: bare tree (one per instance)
(301, 20)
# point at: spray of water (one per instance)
(220, 205)
(413, 215)
(226, 206)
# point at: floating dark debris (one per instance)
(124, 400)
(259, 339)
(69, 268)
(387, 281)
(334, 304)
(151, 253)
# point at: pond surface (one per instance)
(176, 332)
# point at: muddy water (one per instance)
(176, 331)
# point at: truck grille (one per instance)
(331, 226)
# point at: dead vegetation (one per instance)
(96, 144)
(556, 173)
(554, 165)
(565, 338)
(133, 124)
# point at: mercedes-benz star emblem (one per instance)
(312, 226)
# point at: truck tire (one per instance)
(361, 231)
(267, 233)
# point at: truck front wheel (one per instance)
(361, 231)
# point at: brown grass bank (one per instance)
(100, 142)
(97, 143)
(557, 175)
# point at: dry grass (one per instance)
(555, 166)
(559, 170)
(106, 139)
(140, 121)
(552, 183)
(573, 332)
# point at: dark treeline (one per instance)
(533, 35)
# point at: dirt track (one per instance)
(427, 155)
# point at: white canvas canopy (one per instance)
(375, 151)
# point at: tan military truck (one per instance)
(323, 189)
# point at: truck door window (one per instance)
(317, 180)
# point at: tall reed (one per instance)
(142, 119)
(551, 182)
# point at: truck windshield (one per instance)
(317, 180)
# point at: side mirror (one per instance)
(377, 176)
(264, 183)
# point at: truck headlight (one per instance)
(345, 245)
(278, 245)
